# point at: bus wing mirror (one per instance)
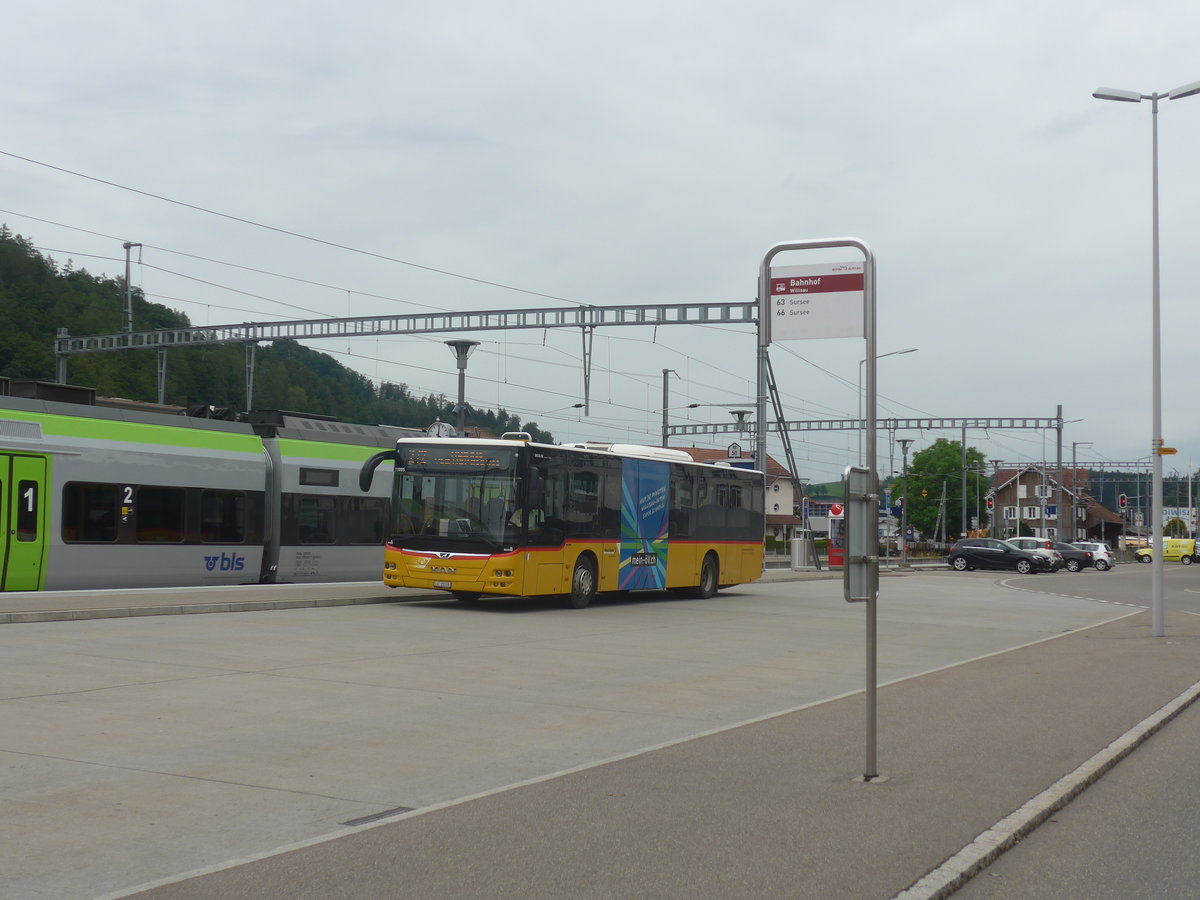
(367, 472)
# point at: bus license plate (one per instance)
(441, 584)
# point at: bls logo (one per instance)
(226, 562)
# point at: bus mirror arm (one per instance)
(367, 472)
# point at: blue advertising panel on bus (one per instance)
(643, 524)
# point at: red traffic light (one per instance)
(1122, 501)
(991, 502)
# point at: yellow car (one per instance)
(1177, 549)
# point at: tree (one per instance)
(37, 298)
(938, 470)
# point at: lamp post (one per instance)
(461, 350)
(1156, 438)
(860, 378)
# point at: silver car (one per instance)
(1102, 555)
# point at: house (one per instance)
(1029, 496)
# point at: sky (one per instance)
(298, 160)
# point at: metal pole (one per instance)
(904, 445)
(962, 531)
(1156, 442)
(1074, 492)
(250, 348)
(666, 372)
(128, 290)
(760, 412)
(860, 412)
(461, 350)
(1058, 498)
(872, 411)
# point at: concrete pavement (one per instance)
(973, 756)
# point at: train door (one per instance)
(22, 521)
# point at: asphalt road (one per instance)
(135, 749)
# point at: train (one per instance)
(113, 496)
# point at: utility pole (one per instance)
(963, 523)
(666, 372)
(997, 514)
(904, 443)
(942, 513)
(129, 290)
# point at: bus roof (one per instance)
(635, 451)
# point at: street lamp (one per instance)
(860, 378)
(1156, 439)
(461, 350)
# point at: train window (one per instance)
(27, 511)
(316, 520)
(89, 512)
(222, 517)
(319, 477)
(364, 520)
(158, 512)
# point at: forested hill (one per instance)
(38, 297)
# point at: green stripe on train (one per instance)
(290, 447)
(137, 432)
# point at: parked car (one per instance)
(989, 553)
(1075, 559)
(1041, 547)
(1102, 556)
(1177, 549)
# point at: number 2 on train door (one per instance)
(24, 521)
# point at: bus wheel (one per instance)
(465, 596)
(708, 577)
(583, 583)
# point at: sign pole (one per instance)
(816, 302)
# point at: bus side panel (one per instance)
(683, 564)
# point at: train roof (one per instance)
(118, 414)
(284, 425)
(297, 426)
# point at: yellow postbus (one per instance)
(511, 517)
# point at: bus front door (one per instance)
(22, 520)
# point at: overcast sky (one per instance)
(546, 154)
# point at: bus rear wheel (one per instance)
(708, 577)
(583, 583)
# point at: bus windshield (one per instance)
(453, 497)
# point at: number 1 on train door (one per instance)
(24, 521)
